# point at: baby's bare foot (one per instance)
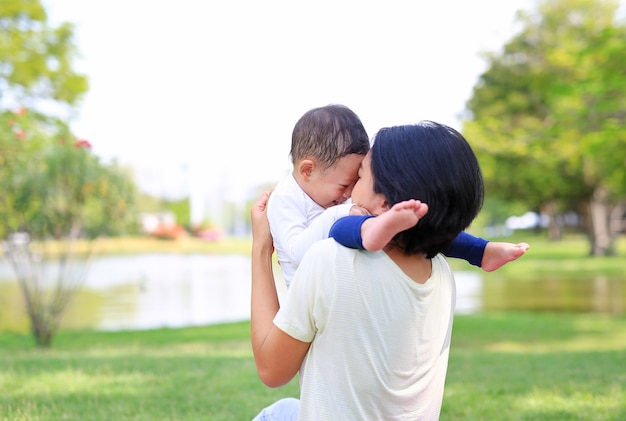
(405, 215)
(377, 232)
(497, 254)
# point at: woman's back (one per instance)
(381, 339)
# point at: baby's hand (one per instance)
(357, 210)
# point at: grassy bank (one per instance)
(132, 245)
(509, 366)
(568, 256)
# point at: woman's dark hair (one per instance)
(433, 163)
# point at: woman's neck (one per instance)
(416, 266)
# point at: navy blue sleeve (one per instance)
(347, 231)
(467, 247)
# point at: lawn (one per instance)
(503, 366)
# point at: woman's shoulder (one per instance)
(440, 266)
(329, 248)
(327, 245)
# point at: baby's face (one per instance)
(333, 186)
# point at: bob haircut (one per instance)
(433, 163)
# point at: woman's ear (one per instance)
(384, 205)
(305, 169)
(379, 205)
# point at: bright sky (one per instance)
(206, 93)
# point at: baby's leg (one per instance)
(497, 254)
(377, 232)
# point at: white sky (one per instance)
(209, 91)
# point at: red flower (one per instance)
(82, 144)
(20, 134)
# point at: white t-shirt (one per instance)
(380, 341)
(296, 222)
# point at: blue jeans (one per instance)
(285, 409)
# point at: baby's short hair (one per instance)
(328, 134)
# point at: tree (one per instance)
(36, 59)
(35, 71)
(547, 116)
(59, 198)
(54, 193)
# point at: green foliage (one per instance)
(49, 187)
(181, 209)
(54, 187)
(548, 120)
(495, 211)
(35, 58)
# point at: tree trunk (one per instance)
(554, 229)
(600, 235)
(43, 328)
(617, 224)
(44, 308)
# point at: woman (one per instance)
(370, 332)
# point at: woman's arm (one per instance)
(278, 356)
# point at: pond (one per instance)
(170, 290)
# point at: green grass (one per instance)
(533, 366)
(204, 373)
(503, 366)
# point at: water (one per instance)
(154, 290)
(170, 290)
